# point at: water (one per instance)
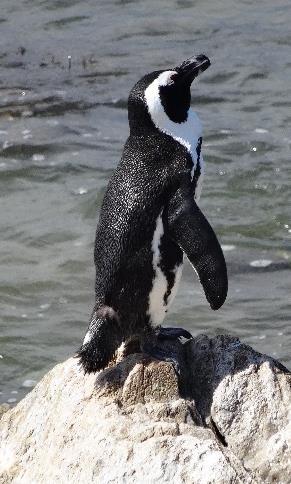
(61, 135)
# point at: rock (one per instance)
(3, 408)
(226, 419)
(248, 400)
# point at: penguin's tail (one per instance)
(103, 338)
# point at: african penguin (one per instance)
(149, 219)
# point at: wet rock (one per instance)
(225, 419)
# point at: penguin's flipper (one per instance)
(193, 233)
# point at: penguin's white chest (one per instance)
(158, 304)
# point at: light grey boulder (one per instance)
(247, 397)
(226, 419)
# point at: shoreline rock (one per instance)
(225, 419)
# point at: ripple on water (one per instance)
(261, 130)
(228, 247)
(28, 383)
(80, 191)
(38, 157)
(26, 151)
(261, 263)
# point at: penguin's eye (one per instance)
(172, 79)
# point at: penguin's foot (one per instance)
(172, 333)
(131, 345)
(161, 354)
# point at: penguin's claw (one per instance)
(172, 333)
(161, 354)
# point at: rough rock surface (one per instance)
(226, 419)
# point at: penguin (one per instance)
(150, 221)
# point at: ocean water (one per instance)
(61, 135)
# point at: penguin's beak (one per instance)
(191, 68)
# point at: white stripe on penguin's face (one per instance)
(186, 133)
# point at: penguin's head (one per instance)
(164, 93)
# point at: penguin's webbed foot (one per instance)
(161, 354)
(172, 333)
(165, 344)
